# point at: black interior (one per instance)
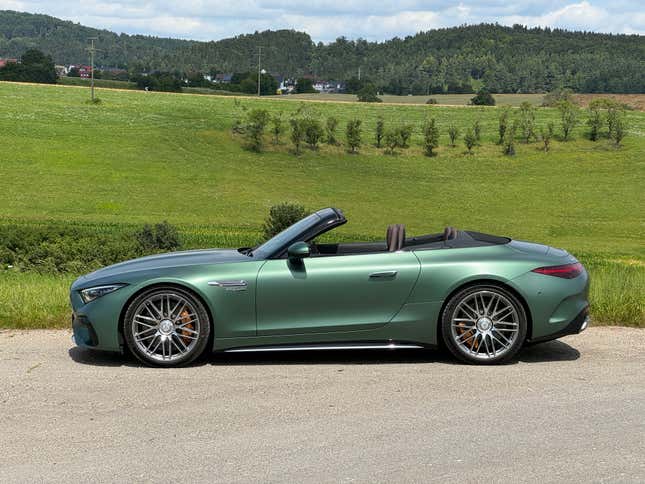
(450, 238)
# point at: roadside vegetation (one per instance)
(79, 181)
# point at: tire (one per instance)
(166, 326)
(484, 324)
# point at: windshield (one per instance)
(286, 237)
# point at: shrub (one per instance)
(504, 117)
(453, 134)
(257, 121)
(508, 144)
(53, 248)
(313, 132)
(282, 216)
(527, 121)
(616, 121)
(368, 94)
(594, 121)
(353, 135)
(483, 98)
(568, 117)
(391, 140)
(277, 128)
(546, 134)
(553, 98)
(330, 129)
(398, 138)
(430, 137)
(405, 133)
(477, 131)
(470, 140)
(238, 126)
(617, 125)
(297, 133)
(432, 101)
(160, 237)
(380, 130)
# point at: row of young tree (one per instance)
(604, 118)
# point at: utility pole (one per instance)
(359, 73)
(259, 69)
(92, 52)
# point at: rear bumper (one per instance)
(577, 325)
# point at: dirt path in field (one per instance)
(565, 411)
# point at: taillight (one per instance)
(567, 271)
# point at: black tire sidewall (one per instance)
(446, 321)
(204, 335)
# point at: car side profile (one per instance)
(482, 296)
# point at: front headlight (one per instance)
(92, 293)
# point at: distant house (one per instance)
(83, 71)
(223, 78)
(61, 70)
(4, 62)
(287, 85)
(329, 86)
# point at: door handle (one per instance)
(382, 274)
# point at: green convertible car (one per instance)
(481, 296)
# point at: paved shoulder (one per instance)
(570, 410)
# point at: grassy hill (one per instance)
(146, 157)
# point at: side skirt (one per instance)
(387, 345)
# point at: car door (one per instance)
(333, 293)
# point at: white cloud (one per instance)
(327, 19)
(584, 16)
(12, 5)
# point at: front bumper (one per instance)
(84, 333)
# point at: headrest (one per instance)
(449, 233)
(395, 237)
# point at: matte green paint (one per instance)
(333, 298)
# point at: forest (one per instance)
(501, 59)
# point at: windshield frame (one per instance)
(303, 230)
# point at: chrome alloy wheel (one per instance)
(166, 326)
(485, 325)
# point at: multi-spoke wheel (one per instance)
(166, 326)
(484, 324)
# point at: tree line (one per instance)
(605, 118)
(451, 60)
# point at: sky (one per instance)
(325, 20)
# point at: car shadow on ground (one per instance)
(545, 352)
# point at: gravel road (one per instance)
(566, 411)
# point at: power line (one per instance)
(92, 51)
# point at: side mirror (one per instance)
(298, 250)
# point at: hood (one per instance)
(161, 261)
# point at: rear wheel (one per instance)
(166, 326)
(484, 324)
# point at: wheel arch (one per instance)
(493, 282)
(184, 287)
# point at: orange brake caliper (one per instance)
(185, 318)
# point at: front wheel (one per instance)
(166, 326)
(484, 324)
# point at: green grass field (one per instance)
(141, 157)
